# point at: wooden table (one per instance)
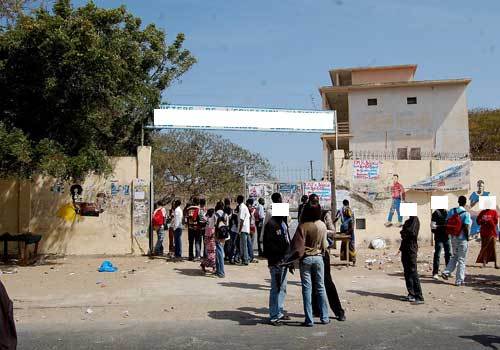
(343, 238)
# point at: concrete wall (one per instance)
(382, 76)
(43, 206)
(375, 211)
(437, 123)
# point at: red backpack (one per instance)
(454, 224)
(158, 217)
(193, 214)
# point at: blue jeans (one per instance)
(277, 293)
(250, 246)
(159, 243)
(313, 266)
(219, 258)
(459, 250)
(178, 242)
(396, 203)
(233, 249)
(243, 247)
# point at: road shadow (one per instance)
(288, 282)
(243, 318)
(375, 294)
(265, 311)
(484, 339)
(189, 272)
(489, 284)
(243, 285)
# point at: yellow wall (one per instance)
(38, 206)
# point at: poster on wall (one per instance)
(290, 193)
(366, 169)
(453, 178)
(322, 188)
(140, 208)
(261, 190)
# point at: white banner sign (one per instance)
(252, 119)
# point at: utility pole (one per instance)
(245, 180)
(311, 166)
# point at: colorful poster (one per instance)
(290, 192)
(453, 178)
(140, 208)
(323, 189)
(366, 169)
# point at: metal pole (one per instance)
(336, 131)
(311, 166)
(245, 180)
(142, 135)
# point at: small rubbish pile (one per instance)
(379, 260)
(377, 243)
(107, 266)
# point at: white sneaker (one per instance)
(436, 277)
(388, 224)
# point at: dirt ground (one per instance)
(70, 290)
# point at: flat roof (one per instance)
(367, 68)
(412, 83)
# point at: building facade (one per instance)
(384, 110)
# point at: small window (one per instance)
(402, 153)
(415, 153)
(411, 100)
(372, 102)
(361, 224)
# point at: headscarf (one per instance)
(410, 228)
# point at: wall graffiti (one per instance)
(141, 219)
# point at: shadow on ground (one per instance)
(484, 339)
(375, 294)
(243, 285)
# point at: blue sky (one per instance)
(270, 53)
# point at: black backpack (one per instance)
(221, 229)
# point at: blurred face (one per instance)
(480, 187)
(395, 179)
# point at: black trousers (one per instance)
(331, 291)
(409, 260)
(194, 240)
(439, 244)
(260, 224)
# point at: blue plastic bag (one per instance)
(107, 266)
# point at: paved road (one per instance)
(246, 329)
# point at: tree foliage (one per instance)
(79, 83)
(196, 162)
(484, 131)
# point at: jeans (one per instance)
(412, 279)
(277, 293)
(438, 245)
(313, 266)
(219, 258)
(159, 243)
(250, 240)
(171, 240)
(459, 248)
(194, 239)
(233, 249)
(396, 203)
(243, 247)
(178, 242)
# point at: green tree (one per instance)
(195, 162)
(79, 84)
(484, 132)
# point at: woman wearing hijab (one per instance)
(409, 250)
(8, 335)
(488, 222)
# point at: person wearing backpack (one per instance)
(194, 229)
(441, 240)
(221, 236)
(458, 223)
(158, 221)
(488, 222)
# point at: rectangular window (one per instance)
(372, 102)
(411, 100)
(415, 153)
(361, 224)
(402, 153)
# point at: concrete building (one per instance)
(382, 109)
